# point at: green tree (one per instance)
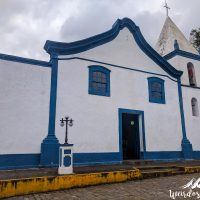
(195, 38)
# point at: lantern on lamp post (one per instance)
(66, 122)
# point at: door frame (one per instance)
(141, 133)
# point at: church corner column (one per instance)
(185, 144)
(50, 145)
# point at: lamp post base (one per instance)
(65, 159)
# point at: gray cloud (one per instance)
(26, 25)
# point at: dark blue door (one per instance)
(130, 136)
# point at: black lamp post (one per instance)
(66, 122)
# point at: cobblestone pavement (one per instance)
(147, 189)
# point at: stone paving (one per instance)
(147, 189)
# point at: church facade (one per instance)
(127, 100)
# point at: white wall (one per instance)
(192, 122)
(123, 50)
(96, 118)
(24, 107)
(24, 102)
(180, 63)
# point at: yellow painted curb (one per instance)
(193, 169)
(24, 186)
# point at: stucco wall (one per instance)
(24, 106)
(123, 50)
(180, 63)
(192, 122)
(25, 93)
(96, 118)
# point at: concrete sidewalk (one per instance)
(143, 165)
(20, 182)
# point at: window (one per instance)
(191, 74)
(99, 80)
(195, 109)
(156, 90)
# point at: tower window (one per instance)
(156, 90)
(191, 74)
(99, 80)
(195, 109)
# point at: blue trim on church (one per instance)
(50, 145)
(25, 161)
(137, 112)
(119, 66)
(178, 52)
(60, 48)
(185, 144)
(19, 161)
(24, 60)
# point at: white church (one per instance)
(128, 100)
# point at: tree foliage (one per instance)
(195, 38)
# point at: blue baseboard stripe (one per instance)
(162, 155)
(19, 161)
(25, 161)
(96, 158)
(196, 155)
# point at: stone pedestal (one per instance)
(65, 159)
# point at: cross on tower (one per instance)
(167, 8)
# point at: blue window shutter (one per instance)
(156, 90)
(99, 81)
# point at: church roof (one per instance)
(170, 32)
(61, 48)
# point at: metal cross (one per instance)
(167, 8)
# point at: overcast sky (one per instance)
(25, 25)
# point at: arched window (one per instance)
(156, 90)
(191, 74)
(99, 80)
(195, 109)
